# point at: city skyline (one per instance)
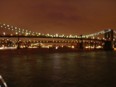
(60, 16)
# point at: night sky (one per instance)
(60, 16)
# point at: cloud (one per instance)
(59, 15)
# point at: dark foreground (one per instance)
(78, 69)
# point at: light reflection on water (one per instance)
(91, 69)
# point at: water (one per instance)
(81, 69)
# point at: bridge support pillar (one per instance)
(81, 44)
(18, 43)
(108, 44)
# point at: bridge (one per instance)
(12, 36)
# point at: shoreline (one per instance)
(46, 50)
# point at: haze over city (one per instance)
(60, 16)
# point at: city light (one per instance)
(4, 33)
(16, 31)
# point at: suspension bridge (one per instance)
(15, 37)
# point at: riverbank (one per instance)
(44, 50)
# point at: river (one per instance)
(81, 69)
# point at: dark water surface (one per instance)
(81, 69)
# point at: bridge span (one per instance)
(21, 38)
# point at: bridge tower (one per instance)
(81, 43)
(108, 43)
